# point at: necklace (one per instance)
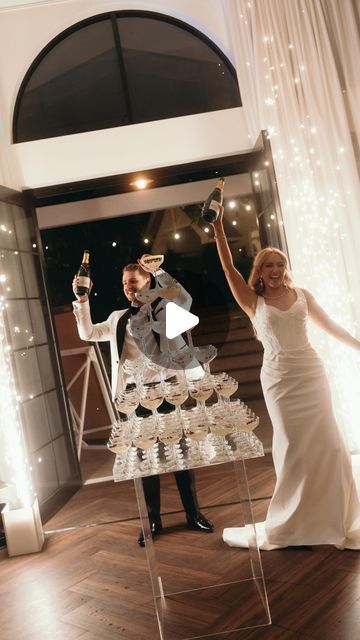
(276, 297)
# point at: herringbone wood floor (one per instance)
(91, 582)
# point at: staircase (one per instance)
(239, 354)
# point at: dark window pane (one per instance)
(171, 72)
(44, 472)
(76, 87)
(36, 423)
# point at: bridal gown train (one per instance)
(315, 499)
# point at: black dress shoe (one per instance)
(199, 523)
(155, 528)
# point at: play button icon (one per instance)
(178, 320)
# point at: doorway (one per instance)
(174, 229)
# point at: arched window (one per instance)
(122, 68)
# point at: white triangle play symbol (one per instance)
(178, 320)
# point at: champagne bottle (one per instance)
(83, 275)
(210, 210)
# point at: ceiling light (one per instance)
(141, 183)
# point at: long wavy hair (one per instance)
(254, 281)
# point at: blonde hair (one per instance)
(255, 282)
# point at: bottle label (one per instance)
(83, 281)
(215, 206)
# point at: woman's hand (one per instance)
(74, 288)
(218, 224)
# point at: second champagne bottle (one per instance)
(84, 275)
(210, 210)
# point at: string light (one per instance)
(13, 450)
(313, 182)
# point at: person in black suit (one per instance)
(116, 329)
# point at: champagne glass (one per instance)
(176, 392)
(120, 438)
(134, 368)
(221, 420)
(126, 461)
(200, 390)
(170, 435)
(196, 430)
(181, 357)
(145, 438)
(249, 422)
(245, 421)
(127, 401)
(205, 355)
(221, 426)
(151, 397)
(225, 386)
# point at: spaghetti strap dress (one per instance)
(315, 499)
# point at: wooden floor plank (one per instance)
(91, 582)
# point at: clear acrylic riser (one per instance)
(201, 586)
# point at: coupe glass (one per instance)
(224, 386)
(127, 401)
(221, 420)
(120, 438)
(221, 426)
(201, 390)
(134, 368)
(203, 354)
(176, 392)
(145, 439)
(181, 358)
(170, 435)
(151, 397)
(196, 431)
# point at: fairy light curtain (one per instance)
(14, 466)
(298, 66)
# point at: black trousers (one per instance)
(185, 481)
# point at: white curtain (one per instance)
(298, 65)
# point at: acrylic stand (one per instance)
(201, 586)
(210, 588)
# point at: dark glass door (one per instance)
(264, 185)
(30, 339)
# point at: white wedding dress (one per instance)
(315, 499)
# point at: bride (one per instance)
(315, 499)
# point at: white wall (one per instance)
(24, 32)
(131, 148)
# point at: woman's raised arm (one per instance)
(244, 296)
